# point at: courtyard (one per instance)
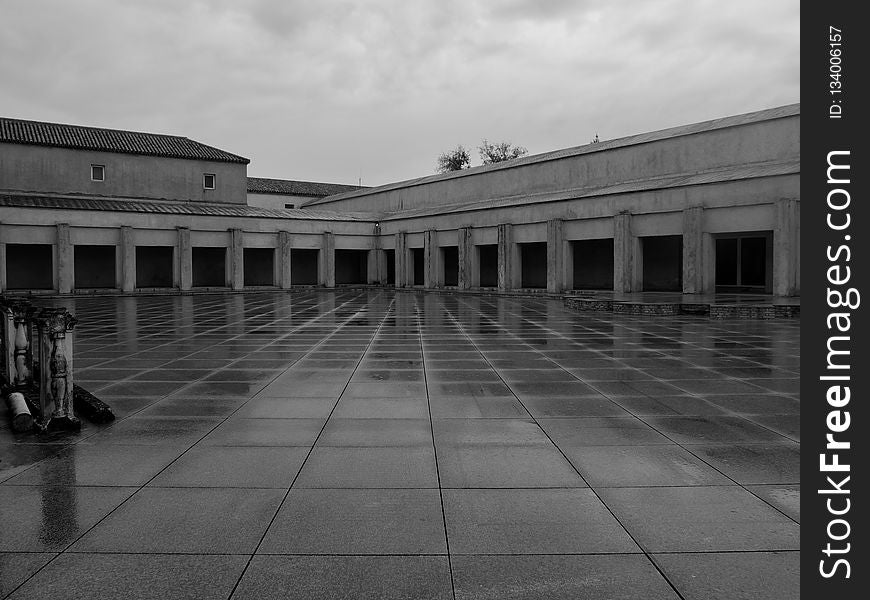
(366, 442)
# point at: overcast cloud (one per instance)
(330, 90)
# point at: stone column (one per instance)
(401, 259)
(555, 256)
(327, 262)
(128, 259)
(65, 268)
(237, 259)
(505, 257)
(786, 248)
(466, 250)
(623, 253)
(284, 279)
(693, 250)
(185, 259)
(430, 258)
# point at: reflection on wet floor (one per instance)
(363, 442)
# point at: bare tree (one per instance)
(453, 160)
(500, 151)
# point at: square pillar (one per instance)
(185, 259)
(505, 257)
(128, 259)
(237, 259)
(284, 279)
(786, 248)
(555, 256)
(625, 264)
(64, 268)
(693, 250)
(466, 251)
(327, 264)
(401, 259)
(430, 258)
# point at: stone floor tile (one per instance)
(265, 432)
(49, 518)
(234, 466)
(376, 432)
(753, 463)
(17, 567)
(100, 465)
(369, 467)
(390, 521)
(134, 577)
(497, 465)
(700, 519)
(589, 577)
(635, 466)
(733, 576)
(358, 577)
(185, 520)
(538, 521)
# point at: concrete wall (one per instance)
(50, 170)
(770, 140)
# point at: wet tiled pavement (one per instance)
(366, 443)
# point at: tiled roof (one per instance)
(18, 131)
(642, 138)
(289, 187)
(752, 171)
(175, 208)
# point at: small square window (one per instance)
(98, 172)
(208, 181)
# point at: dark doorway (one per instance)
(94, 267)
(259, 266)
(593, 264)
(154, 266)
(742, 264)
(450, 262)
(417, 263)
(487, 261)
(663, 263)
(209, 266)
(533, 260)
(391, 267)
(29, 267)
(304, 266)
(351, 267)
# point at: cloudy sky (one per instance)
(334, 91)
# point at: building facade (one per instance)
(712, 207)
